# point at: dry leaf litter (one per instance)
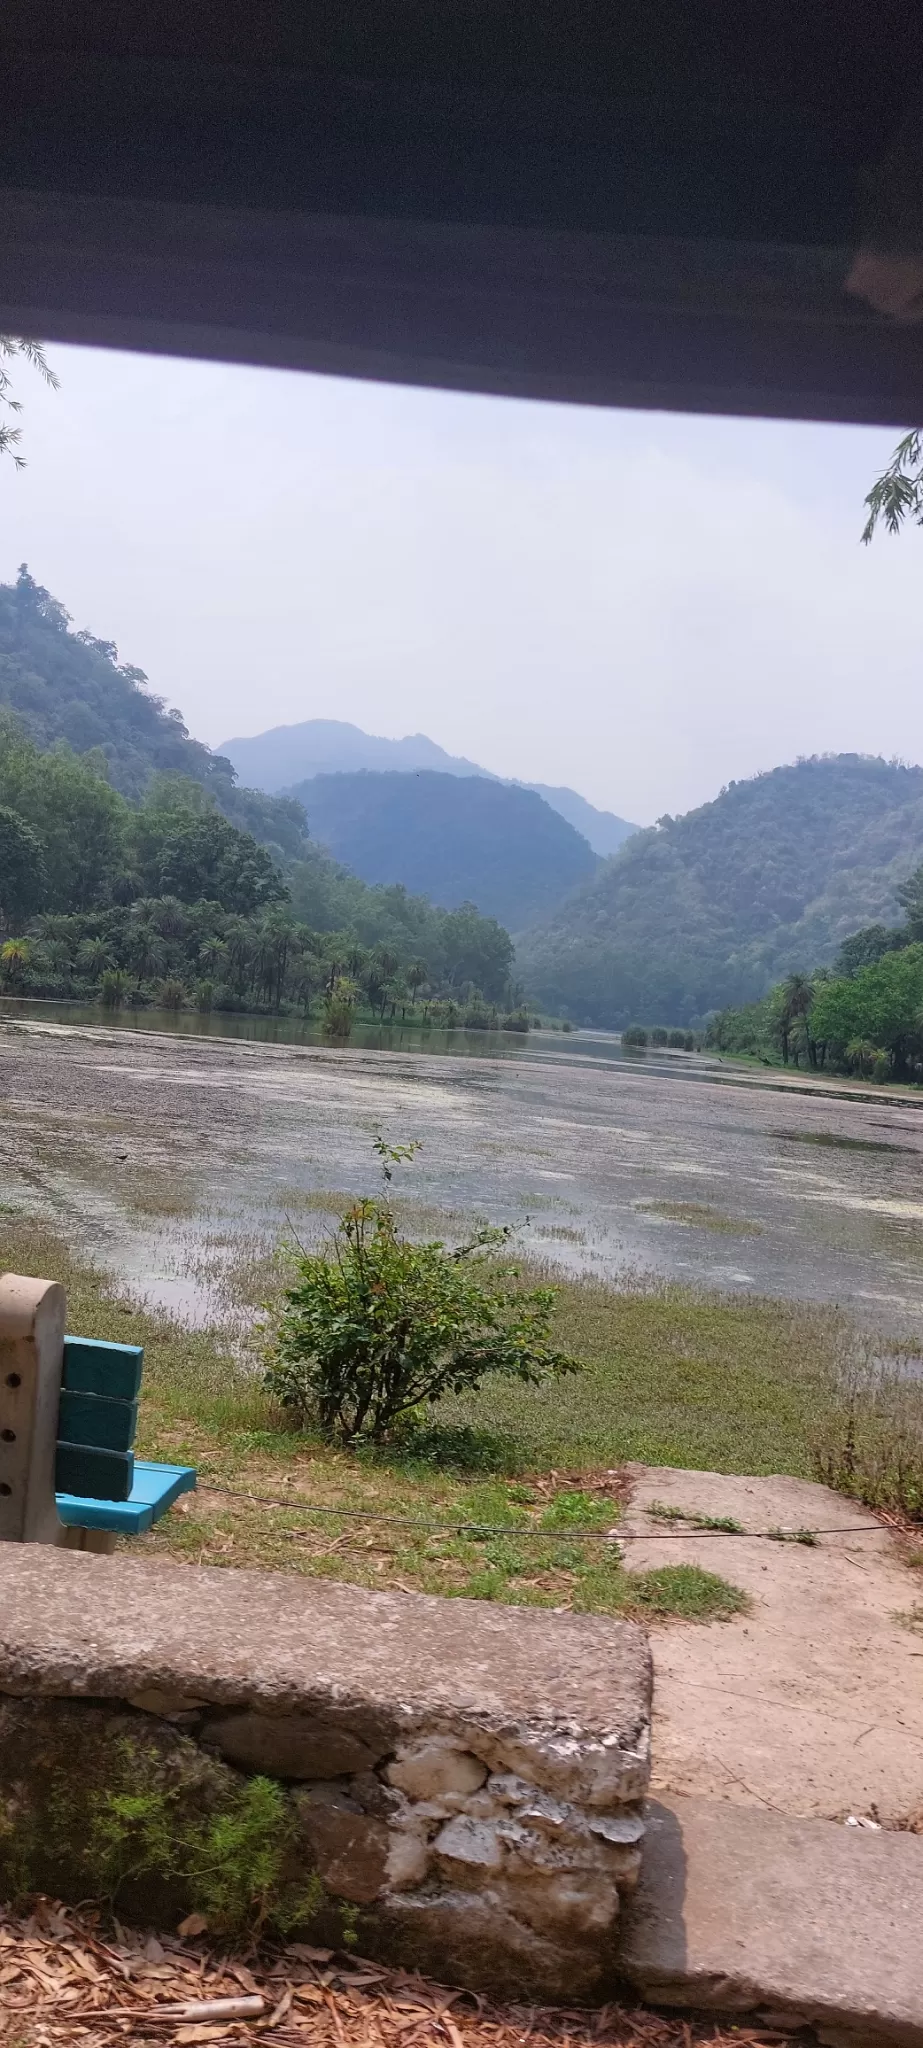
(77, 1981)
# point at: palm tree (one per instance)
(93, 957)
(170, 917)
(415, 978)
(797, 996)
(212, 955)
(14, 959)
(144, 948)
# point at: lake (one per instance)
(164, 1153)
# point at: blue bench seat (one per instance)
(154, 1489)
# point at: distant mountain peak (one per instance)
(289, 754)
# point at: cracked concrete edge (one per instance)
(564, 1699)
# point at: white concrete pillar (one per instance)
(32, 1314)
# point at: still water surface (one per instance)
(159, 1150)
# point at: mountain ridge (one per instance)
(475, 838)
(331, 746)
(707, 910)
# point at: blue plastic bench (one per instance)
(99, 1484)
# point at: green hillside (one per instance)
(132, 866)
(70, 686)
(458, 839)
(710, 909)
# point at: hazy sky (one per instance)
(640, 605)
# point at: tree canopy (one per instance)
(98, 892)
(864, 1017)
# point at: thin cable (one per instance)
(531, 1529)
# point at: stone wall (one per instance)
(447, 1783)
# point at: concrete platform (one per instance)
(810, 1704)
(740, 1911)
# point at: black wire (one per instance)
(530, 1529)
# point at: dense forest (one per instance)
(459, 838)
(132, 866)
(709, 910)
(862, 1016)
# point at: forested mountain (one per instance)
(132, 865)
(710, 909)
(70, 686)
(457, 839)
(291, 754)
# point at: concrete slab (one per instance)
(812, 1703)
(564, 1699)
(806, 1920)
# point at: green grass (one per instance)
(686, 1591)
(671, 1376)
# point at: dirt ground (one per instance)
(812, 1704)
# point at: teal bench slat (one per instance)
(100, 1475)
(155, 1489)
(94, 1420)
(92, 1366)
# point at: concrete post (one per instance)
(32, 1316)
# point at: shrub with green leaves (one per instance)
(375, 1326)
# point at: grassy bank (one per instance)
(671, 1376)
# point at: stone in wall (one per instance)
(463, 1781)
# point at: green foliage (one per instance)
(462, 839)
(340, 1008)
(880, 1007)
(690, 1593)
(167, 894)
(15, 956)
(864, 948)
(707, 911)
(183, 847)
(11, 346)
(69, 687)
(910, 897)
(868, 1438)
(112, 989)
(634, 1034)
(898, 493)
(79, 822)
(231, 1859)
(376, 1326)
(23, 881)
(575, 1509)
